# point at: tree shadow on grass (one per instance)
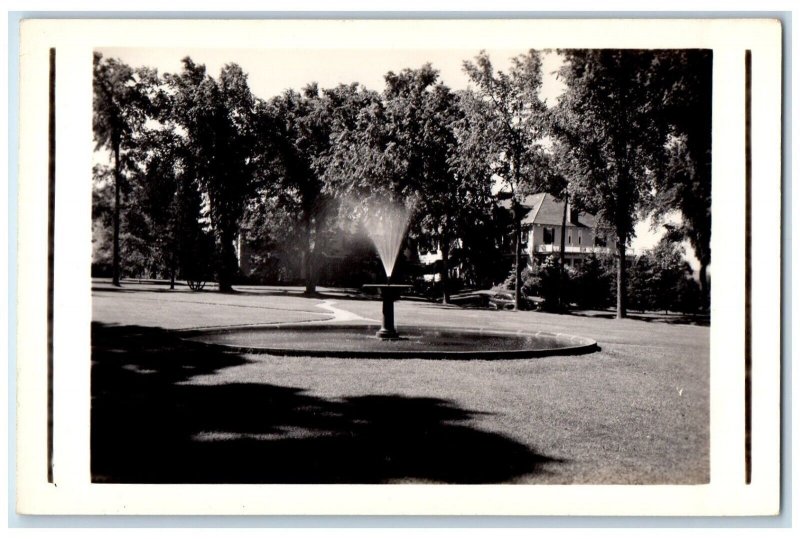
(150, 424)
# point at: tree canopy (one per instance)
(217, 119)
(508, 122)
(120, 108)
(300, 135)
(608, 117)
(683, 181)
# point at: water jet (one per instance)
(386, 226)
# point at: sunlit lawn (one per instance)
(165, 410)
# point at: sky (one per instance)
(272, 71)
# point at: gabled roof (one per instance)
(546, 210)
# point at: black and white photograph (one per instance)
(486, 262)
(460, 251)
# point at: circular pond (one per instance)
(359, 341)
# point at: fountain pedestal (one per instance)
(389, 293)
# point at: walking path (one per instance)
(341, 315)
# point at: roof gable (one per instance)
(546, 210)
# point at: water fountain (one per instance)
(386, 225)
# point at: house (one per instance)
(541, 231)
(541, 234)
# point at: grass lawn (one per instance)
(166, 410)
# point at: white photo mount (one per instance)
(72, 492)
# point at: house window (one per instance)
(570, 239)
(599, 242)
(579, 239)
(549, 235)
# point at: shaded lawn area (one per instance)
(169, 411)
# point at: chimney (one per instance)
(572, 214)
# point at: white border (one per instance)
(74, 494)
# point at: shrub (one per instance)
(662, 280)
(543, 280)
(531, 281)
(642, 284)
(593, 284)
(689, 297)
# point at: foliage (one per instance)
(509, 121)
(448, 203)
(689, 297)
(478, 253)
(608, 120)
(218, 120)
(196, 161)
(683, 182)
(642, 285)
(102, 195)
(661, 279)
(501, 137)
(119, 110)
(401, 147)
(673, 281)
(154, 206)
(363, 162)
(120, 105)
(594, 283)
(543, 279)
(300, 135)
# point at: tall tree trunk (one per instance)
(622, 304)
(228, 261)
(308, 259)
(172, 264)
(117, 178)
(705, 289)
(517, 258)
(445, 246)
(561, 278)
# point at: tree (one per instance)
(360, 168)
(360, 165)
(670, 270)
(641, 282)
(661, 279)
(102, 220)
(484, 227)
(397, 148)
(593, 283)
(120, 107)
(422, 113)
(607, 118)
(217, 120)
(552, 280)
(155, 188)
(683, 183)
(558, 186)
(301, 136)
(168, 201)
(508, 120)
